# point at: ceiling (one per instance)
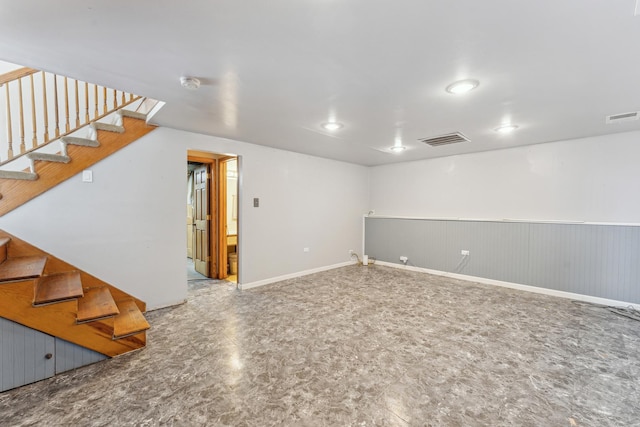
(273, 71)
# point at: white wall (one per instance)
(127, 227)
(591, 179)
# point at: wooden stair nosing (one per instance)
(21, 268)
(130, 321)
(96, 304)
(58, 287)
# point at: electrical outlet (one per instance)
(404, 259)
(350, 252)
(305, 250)
(464, 252)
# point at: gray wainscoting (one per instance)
(71, 356)
(23, 355)
(596, 260)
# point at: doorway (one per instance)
(212, 216)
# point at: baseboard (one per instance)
(245, 286)
(518, 286)
(167, 305)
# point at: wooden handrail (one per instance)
(16, 74)
(43, 98)
(135, 98)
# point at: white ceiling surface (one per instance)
(273, 71)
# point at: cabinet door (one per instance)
(23, 355)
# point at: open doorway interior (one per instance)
(212, 216)
(232, 218)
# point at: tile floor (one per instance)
(357, 346)
(192, 274)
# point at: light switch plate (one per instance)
(87, 176)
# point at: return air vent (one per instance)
(624, 117)
(452, 138)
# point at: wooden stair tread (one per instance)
(97, 303)
(58, 287)
(22, 268)
(130, 320)
(46, 157)
(19, 175)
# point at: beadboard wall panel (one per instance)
(588, 259)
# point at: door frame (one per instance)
(223, 255)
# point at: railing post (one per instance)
(86, 101)
(55, 105)
(23, 148)
(9, 130)
(66, 105)
(95, 93)
(105, 108)
(33, 112)
(77, 104)
(45, 109)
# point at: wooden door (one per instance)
(201, 219)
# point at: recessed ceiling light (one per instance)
(462, 86)
(332, 126)
(189, 82)
(507, 128)
(398, 148)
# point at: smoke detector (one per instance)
(190, 83)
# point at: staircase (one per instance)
(38, 290)
(75, 154)
(44, 293)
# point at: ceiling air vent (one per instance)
(624, 117)
(452, 138)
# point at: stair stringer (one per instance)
(15, 193)
(59, 319)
